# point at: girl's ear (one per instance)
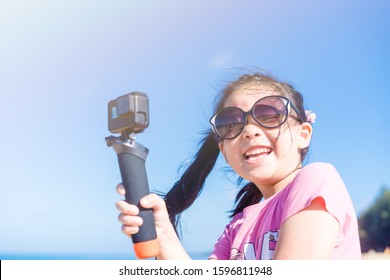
(222, 149)
(305, 135)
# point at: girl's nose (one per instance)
(251, 129)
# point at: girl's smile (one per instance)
(256, 153)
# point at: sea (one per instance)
(82, 256)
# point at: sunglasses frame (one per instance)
(287, 102)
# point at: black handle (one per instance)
(134, 179)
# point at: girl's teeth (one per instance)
(257, 153)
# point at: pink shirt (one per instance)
(253, 233)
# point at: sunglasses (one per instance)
(269, 112)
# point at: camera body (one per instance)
(128, 113)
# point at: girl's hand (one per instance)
(129, 213)
(170, 247)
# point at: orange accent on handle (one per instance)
(146, 249)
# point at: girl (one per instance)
(287, 210)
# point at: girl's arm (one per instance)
(309, 234)
(170, 246)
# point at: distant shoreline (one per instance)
(371, 255)
(80, 256)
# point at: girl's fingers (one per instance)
(132, 221)
(120, 189)
(155, 202)
(129, 218)
(126, 208)
(128, 230)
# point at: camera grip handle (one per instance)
(134, 179)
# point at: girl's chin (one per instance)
(257, 174)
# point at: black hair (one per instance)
(185, 191)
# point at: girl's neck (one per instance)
(270, 190)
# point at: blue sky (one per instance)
(62, 61)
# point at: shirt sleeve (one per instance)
(222, 246)
(317, 180)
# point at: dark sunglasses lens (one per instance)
(229, 122)
(271, 112)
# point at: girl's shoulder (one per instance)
(315, 179)
(319, 165)
(319, 170)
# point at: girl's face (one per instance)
(261, 155)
